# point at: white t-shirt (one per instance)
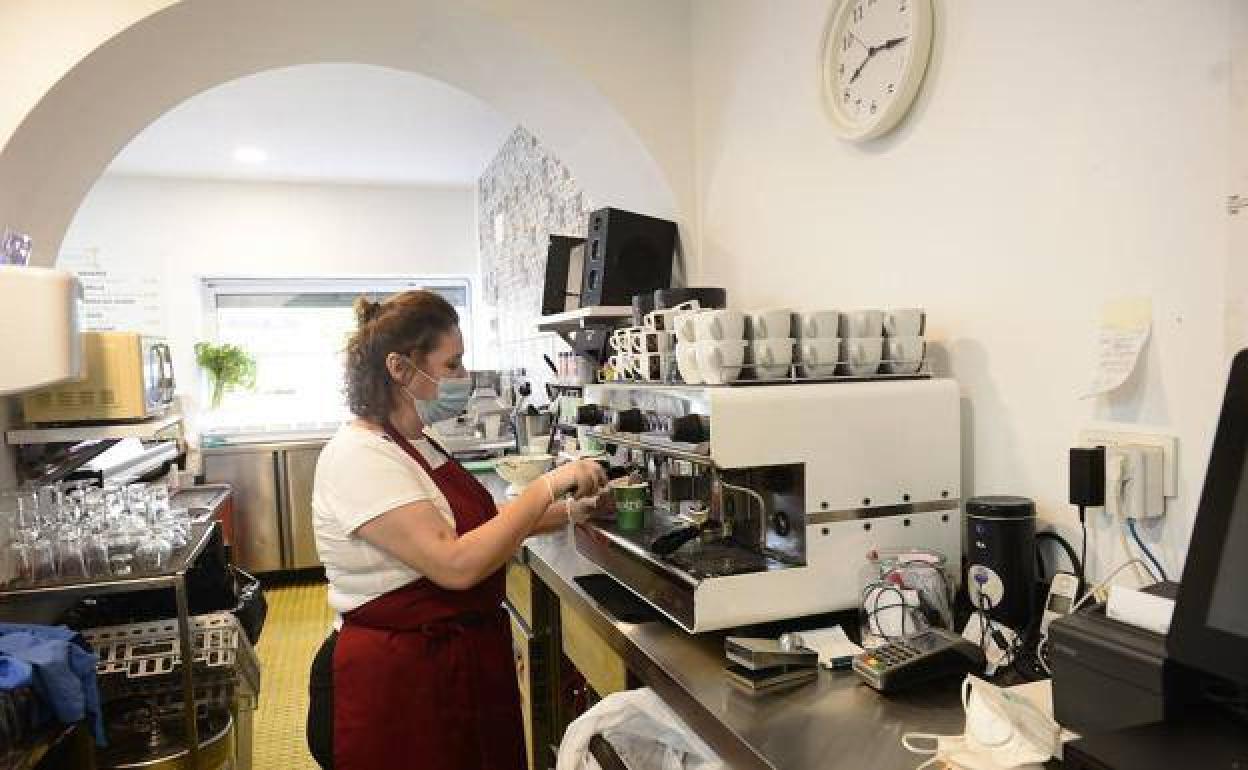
(360, 475)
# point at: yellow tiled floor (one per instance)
(299, 618)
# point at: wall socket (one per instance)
(1169, 445)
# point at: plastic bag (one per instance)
(644, 732)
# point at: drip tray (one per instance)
(621, 603)
(718, 559)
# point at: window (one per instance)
(297, 330)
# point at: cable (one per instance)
(1083, 553)
(1135, 534)
(1095, 590)
(1076, 564)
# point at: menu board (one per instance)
(116, 299)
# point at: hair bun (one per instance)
(365, 310)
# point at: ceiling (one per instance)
(344, 123)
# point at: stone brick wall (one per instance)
(523, 196)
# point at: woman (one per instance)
(418, 671)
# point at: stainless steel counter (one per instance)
(835, 722)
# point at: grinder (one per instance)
(1001, 558)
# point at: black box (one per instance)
(626, 254)
(562, 288)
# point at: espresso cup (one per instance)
(687, 363)
(772, 324)
(863, 354)
(720, 325)
(652, 342)
(651, 367)
(905, 322)
(720, 361)
(819, 356)
(904, 355)
(662, 320)
(685, 325)
(772, 357)
(818, 323)
(862, 323)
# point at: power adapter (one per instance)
(1087, 477)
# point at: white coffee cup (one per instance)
(720, 325)
(651, 341)
(652, 367)
(818, 323)
(687, 362)
(720, 361)
(621, 364)
(904, 355)
(905, 322)
(862, 323)
(819, 356)
(772, 357)
(863, 354)
(662, 320)
(685, 325)
(772, 324)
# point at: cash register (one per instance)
(1204, 719)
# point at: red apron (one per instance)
(423, 676)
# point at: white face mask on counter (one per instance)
(1003, 730)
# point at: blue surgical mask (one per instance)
(452, 399)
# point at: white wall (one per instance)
(185, 229)
(1059, 155)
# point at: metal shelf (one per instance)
(174, 577)
(148, 429)
(585, 317)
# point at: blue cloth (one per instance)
(14, 673)
(63, 670)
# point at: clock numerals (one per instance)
(846, 97)
(873, 107)
(859, 14)
(892, 87)
(846, 43)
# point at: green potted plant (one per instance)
(228, 366)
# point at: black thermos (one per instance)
(1001, 557)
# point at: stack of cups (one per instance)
(863, 331)
(904, 343)
(819, 331)
(720, 345)
(621, 360)
(660, 343)
(772, 343)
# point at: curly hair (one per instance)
(407, 323)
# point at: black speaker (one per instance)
(562, 290)
(626, 254)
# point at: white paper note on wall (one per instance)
(1125, 326)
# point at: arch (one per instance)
(72, 134)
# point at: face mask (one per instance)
(1003, 730)
(453, 396)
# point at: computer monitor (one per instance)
(1209, 631)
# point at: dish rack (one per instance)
(138, 658)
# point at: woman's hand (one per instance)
(582, 478)
(589, 507)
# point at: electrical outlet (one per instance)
(1169, 445)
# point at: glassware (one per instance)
(905, 591)
(70, 560)
(153, 553)
(95, 535)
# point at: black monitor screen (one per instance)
(1228, 607)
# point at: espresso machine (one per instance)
(767, 498)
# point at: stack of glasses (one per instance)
(76, 530)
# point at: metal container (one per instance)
(138, 743)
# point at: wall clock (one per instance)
(872, 62)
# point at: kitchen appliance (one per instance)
(626, 254)
(127, 376)
(40, 332)
(272, 485)
(793, 486)
(707, 296)
(1000, 554)
(565, 261)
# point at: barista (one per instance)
(418, 671)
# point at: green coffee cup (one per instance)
(630, 506)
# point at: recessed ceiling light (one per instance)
(250, 155)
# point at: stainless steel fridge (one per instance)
(272, 486)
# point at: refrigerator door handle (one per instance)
(283, 507)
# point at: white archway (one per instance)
(69, 138)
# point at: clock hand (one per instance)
(858, 71)
(872, 51)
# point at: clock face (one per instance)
(873, 59)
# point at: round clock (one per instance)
(873, 58)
